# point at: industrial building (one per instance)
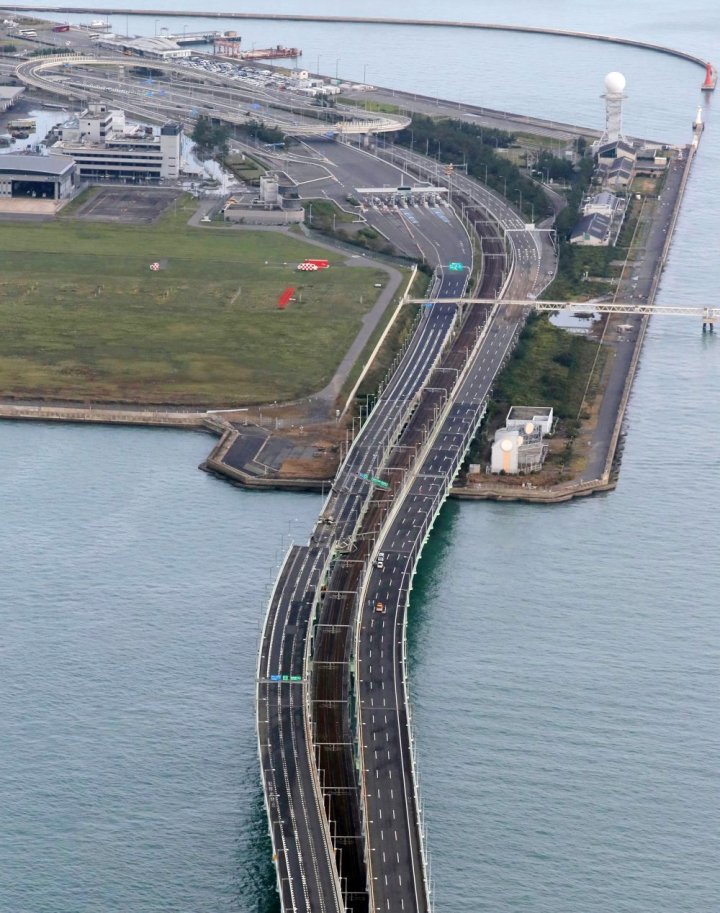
(36, 176)
(158, 48)
(268, 207)
(518, 447)
(106, 148)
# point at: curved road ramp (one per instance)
(65, 76)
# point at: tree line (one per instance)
(459, 143)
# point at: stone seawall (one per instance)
(102, 416)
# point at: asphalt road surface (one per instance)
(385, 804)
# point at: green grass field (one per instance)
(82, 316)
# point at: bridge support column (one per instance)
(708, 321)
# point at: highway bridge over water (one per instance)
(334, 721)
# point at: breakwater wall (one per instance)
(367, 20)
(617, 431)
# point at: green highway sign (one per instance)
(456, 267)
(296, 678)
(366, 477)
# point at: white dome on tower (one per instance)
(615, 83)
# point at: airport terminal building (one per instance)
(107, 149)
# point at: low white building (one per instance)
(268, 207)
(541, 417)
(107, 149)
(518, 447)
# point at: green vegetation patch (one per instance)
(381, 107)
(323, 215)
(85, 318)
(455, 142)
(549, 367)
(244, 167)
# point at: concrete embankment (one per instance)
(103, 416)
(218, 464)
(555, 495)
(366, 20)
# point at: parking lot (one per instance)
(128, 204)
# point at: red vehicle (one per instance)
(61, 28)
(321, 264)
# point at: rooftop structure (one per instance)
(618, 175)
(541, 416)
(613, 149)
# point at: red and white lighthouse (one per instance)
(710, 78)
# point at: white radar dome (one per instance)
(615, 83)
(506, 445)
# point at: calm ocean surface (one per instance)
(564, 660)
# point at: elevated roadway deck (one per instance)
(413, 442)
(295, 117)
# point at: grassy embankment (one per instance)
(86, 319)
